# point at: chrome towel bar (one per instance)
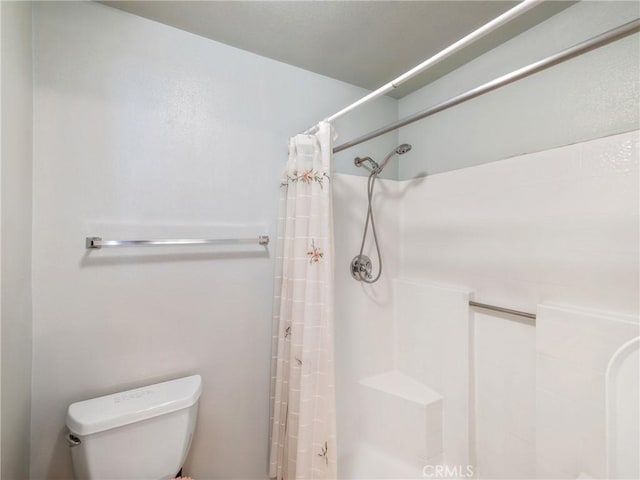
(531, 316)
(93, 243)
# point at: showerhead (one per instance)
(374, 167)
(400, 150)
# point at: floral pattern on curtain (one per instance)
(303, 425)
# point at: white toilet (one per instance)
(141, 434)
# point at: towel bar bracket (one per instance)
(93, 242)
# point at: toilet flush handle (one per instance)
(72, 440)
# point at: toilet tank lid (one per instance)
(111, 411)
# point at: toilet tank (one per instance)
(141, 434)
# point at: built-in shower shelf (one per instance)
(398, 384)
(402, 417)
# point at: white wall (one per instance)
(16, 174)
(588, 97)
(144, 130)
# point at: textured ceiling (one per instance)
(365, 43)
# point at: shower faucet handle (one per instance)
(361, 268)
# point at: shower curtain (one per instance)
(303, 425)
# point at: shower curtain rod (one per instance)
(500, 20)
(562, 56)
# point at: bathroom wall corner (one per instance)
(15, 232)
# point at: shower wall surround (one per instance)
(558, 227)
(363, 326)
(505, 396)
(145, 130)
(433, 344)
(574, 348)
(554, 226)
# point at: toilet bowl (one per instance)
(141, 434)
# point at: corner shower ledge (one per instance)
(400, 385)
